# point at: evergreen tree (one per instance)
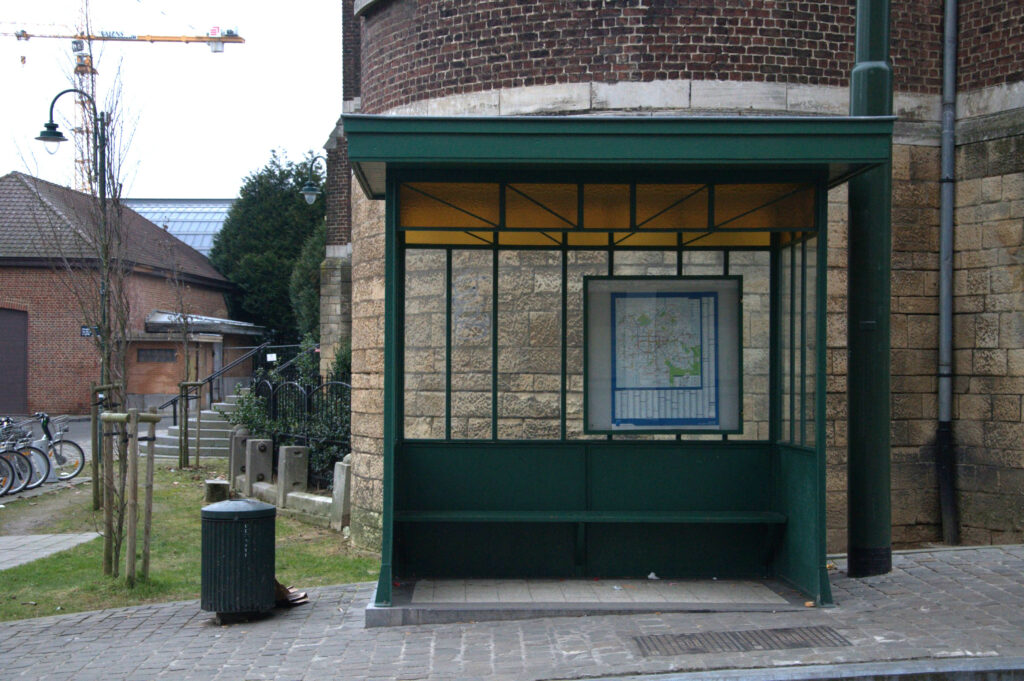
(305, 283)
(260, 242)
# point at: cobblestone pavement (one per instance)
(935, 605)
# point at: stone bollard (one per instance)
(340, 510)
(259, 463)
(292, 472)
(217, 490)
(236, 455)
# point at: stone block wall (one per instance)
(367, 369)
(988, 290)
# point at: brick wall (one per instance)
(351, 57)
(61, 362)
(150, 293)
(991, 35)
(413, 50)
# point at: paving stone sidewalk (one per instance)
(936, 605)
(25, 548)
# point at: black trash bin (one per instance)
(238, 558)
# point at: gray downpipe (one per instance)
(945, 452)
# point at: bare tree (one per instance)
(85, 238)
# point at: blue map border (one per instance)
(701, 296)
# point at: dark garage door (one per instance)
(13, 362)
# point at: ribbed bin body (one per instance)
(238, 557)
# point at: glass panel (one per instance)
(529, 345)
(785, 322)
(631, 239)
(582, 239)
(796, 379)
(703, 263)
(672, 206)
(727, 239)
(424, 344)
(547, 239)
(448, 204)
(764, 206)
(811, 342)
(606, 206)
(471, 344)
(415, 238)
(755, 268)
(645, 263)
(580, 264)
(541, 206)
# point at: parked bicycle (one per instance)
(16, 472)
(15, 439)
(66, 457)
(6, 476)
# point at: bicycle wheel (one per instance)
(21, 467)
(40, 466)
(6, 476)
(67, 459)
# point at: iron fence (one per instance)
(314, 416)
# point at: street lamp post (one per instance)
(309, 190)
(52, 137)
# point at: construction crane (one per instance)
(81, 43)
(216, 38)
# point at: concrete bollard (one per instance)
(217, 490)
(292, 472)
(340, 509)
(259, 463)
(236, 455)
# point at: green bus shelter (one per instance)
(605, 342)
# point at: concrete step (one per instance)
(218, 428)
(204, 452)
(172, 439)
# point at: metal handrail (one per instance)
(212, 377)
(280, 370)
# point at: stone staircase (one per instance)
(213, 438)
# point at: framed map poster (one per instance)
(662, 354)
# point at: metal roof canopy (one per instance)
(840, 146)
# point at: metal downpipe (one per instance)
(945, 455)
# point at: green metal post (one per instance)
(869, 253)
(821, 387)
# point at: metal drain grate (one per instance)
(739, 641)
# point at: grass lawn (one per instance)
(73, 580)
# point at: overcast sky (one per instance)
(200, 122)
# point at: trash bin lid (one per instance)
(239, 508)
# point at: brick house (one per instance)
(49, 357)
(704, 58)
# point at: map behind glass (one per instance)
(664, 354)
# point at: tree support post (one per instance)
(147, 512)
(869, 256)
(131, 524)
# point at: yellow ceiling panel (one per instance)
(541, 206)
(671, 206)
(449, 204)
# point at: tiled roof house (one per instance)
(47, 355)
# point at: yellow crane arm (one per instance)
(122, 37)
